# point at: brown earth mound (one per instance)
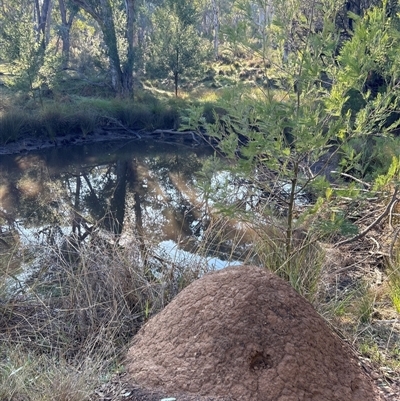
(244, 334)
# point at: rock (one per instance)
(242, 333)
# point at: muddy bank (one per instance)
(29, 144)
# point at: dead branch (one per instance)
(374, 223)
(353, 178)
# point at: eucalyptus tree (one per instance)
(215, 14)
(121, 58)
(43, 17)
(20, 45)
(16, 30)
(67, 12)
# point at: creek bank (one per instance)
(28, 144)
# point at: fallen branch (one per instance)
(353, 178)
(125, 128)
(374, 223)
(173, 132)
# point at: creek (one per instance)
(152, 192)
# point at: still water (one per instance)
(153, 192)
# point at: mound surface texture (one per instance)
(244, 334)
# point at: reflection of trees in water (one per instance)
(183, 164)
(144, 198)
(28, 196)
(135, 202)
(136, 191)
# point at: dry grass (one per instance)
(28, 376)
(69, 323)
(62, 115)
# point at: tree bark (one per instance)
(43, 17)
(176, 73)
(215, 12)
(130, 34)
(40, 14)
(66, 24)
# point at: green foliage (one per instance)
(395, 296)
(32, 66)
(176, 47)
(82, 116)
(302, 269)
(336, 224)
(393, 174)
(367, 81)
(286, 140)
(16, 31)
(394, 280)
(11, 124)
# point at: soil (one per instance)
(243, 334)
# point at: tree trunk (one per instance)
(43, 17)
(130, 33)
(101, 11)
(176, 80)
(215, 12)
(66, 24)
(106, 23)
(176, 73)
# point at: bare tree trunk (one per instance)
(106, 23)
(48, 24)
(43, 18)
(37, 18)
(130, 33)
(66, 24)
(215, 11)
(176, 73)
(176, 81)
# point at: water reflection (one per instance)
(136, 190)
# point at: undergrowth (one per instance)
(65, 326)
(66, 114)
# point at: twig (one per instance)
(345, 268)
(390, 321)
(374, 223)
(115, 121)
(353, 178)
(376, 243)
(391, 214)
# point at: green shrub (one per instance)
(11, 125)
